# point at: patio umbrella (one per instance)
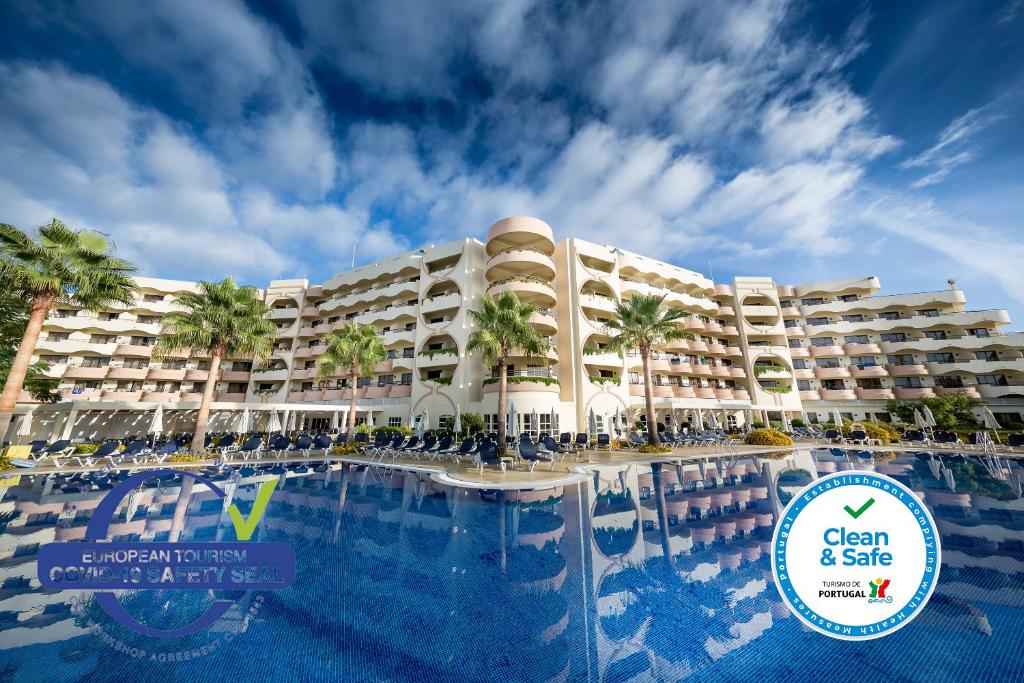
(837, 418)
(244, 421)
(369, 417)
(285, 421)
(950, 482)
(512, 428)
(418, 425)
(25, 426)
(929, 418)
(700, 420)
(934, 465)
(426, 418)
(534, 421)
(919, 420)
(292, 418)
(334, 421)
(592, 422)
(274, 421)
(675, 422)
(785, 422)
(156, 426)
(713, 419)
(554, 421)
(990, 419)
(457, 427)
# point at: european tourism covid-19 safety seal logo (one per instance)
(856, 555)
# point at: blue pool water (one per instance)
(403, 579)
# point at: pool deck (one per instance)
(465, 474)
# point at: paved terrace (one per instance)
(465, 474)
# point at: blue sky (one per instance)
(799, 140)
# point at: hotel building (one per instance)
(760, 349)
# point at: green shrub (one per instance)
(950, 411)
(343, 450)
(660, 448)
(86, 448)
(596, 379)
(778, 390)
(521, 379)
(440, 381)
(798, 423)
(472, 423)
(768, 437)
(758, 425)
(446, 351)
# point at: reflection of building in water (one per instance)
(679, 560)
(980, 519)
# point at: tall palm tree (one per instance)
(56, 265)
(641, 322)
(354, 350)
(503, 327)
(221, 319)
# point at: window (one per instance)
(53, 360)
(406, 378)
(992, 380)
(929, 312)
(266, 386)
(152, 298)
(863, 361)
(937, 335)
(817, 321)
(858, 318)
(803, 385)
(940, 358)
(137, 363)
(385, 380)
(794, 343)
(799, 364)
(823, 341)
(812, 302)
(96, 362)
(894, 337)
(986, 355)
(101, 339)
(408, 352)
(149, 319)
(857, 339)
(143, 341)
(907, 382)
(394, 421)
(978, 332)
(237, 387)
(176, 364)
(107, 316)
(847, 298)
(129, 385)
(241, 366)
(64, 313)
(949, 381)
(89, 384)
(307, 386)
(203, 365)
(869, 383)
(791, 324)
(833, 384)
(828, 362)
(901, 359)
(889, 315)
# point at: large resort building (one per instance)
(760, 350)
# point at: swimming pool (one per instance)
(401, 578)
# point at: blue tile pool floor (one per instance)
(403, 579)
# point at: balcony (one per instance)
(698, 346)
(534, 290)
(137, 350)
(662, 391)
(440, 303)
(907, 370)
(865, 371)
(235, 375)
(913, 393)
(313, 395)
(977, 367)
(726, 311)
(544, 322)
(124, 396)
(810, 395)
(161, 396)
(831, 351)
(874, 394)
(997, 391)
(310, 312)
(519, 262)
(191, 397)
(724, 394)
(730, 331)
(518, 387)
(831, 373)
(799, 352)
(439, 360)
(281, 314)
(82, 372)
(195, 375)
(296, 396)
(838, 395)
(737, 372)
(127, 373)
(400, 391)
(969, 391)
(869, 349)
(803, 373)
(683, 392)
(280, 375)
(229, 397)
(704, 392)
(716, 349)
(166, 375)
(795, 331)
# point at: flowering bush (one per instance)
(768, 437)
(660, 448)
(343, 450)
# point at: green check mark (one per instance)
(244, 528)
(859, 511)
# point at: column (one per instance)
(69, 423)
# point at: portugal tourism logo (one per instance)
(856, 555)
(102, 566)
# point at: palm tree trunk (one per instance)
(660, 507)
(353, 380)
(652, 425)
(199, 440)
(502, 403)
(19, 367)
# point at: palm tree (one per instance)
(504, 326)
(221, 319)
(58, 265)
(354, 350)
(641, 323)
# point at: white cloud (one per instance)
(949, 151)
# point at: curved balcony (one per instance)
(969, 391)
(799, 352)
(910, 394)
(908, 370)
(136, 350)
(831, 351)
(700, 369)
(796, 331)
(165, 375)
(874, 394)
(693, 324)
(810, 395)
(683, 392)
(704, 392)
(713, 327)
(535, 291)
(400, 391)
(733, 352)
(235, 375)
(523, 387)
(831, 373)
(545, 322)
(698, 346)
(662, 391)
(997, 391)
(865, 371)
(597, 302)
(740, 394)
(519, 262)
(726, 310)
(737, 372)
(520, 231)
(229, 397)
(870, 349)
(441, 303)
(730, 331)
(724, 394)
(196, 375)
(838, 394)
(716, 349)
(82, 372)
(722, 371)
(127, 373)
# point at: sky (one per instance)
(800, 140)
